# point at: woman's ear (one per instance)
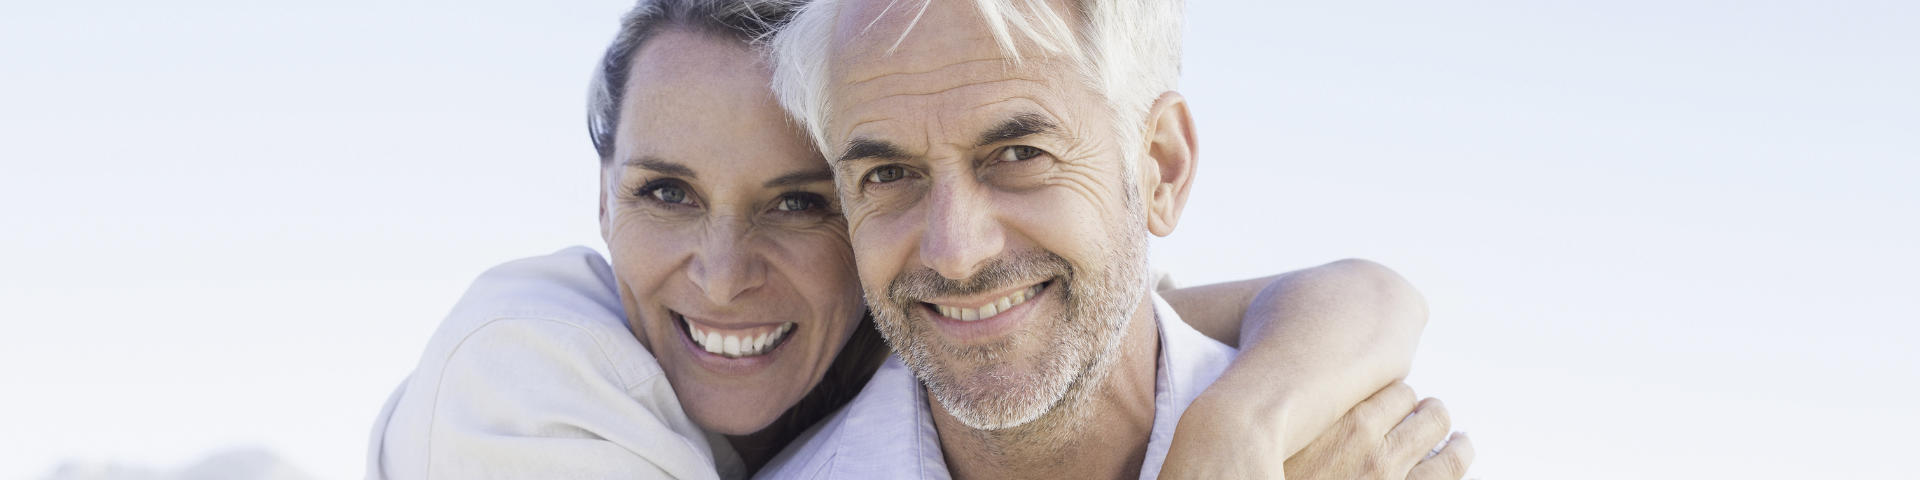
(1172, 155)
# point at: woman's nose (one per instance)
(725, 265)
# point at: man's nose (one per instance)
(725, 265)
(961, 231)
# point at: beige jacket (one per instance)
(535, 375)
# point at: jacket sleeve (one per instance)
(546, 398)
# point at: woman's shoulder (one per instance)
(573, 285)
(555, 311)
(536, 349)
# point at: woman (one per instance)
(731, 268)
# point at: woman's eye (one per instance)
(665, 192)
(799, 203)
(1019, 153)
(886, 174)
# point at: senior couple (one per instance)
(786, 184)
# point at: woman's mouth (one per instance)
(738, 342)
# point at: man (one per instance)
(1000, 165)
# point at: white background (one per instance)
(1668, 239)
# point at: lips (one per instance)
(990, 308)
(735, 342)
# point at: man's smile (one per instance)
(983, 311)
(985, 319)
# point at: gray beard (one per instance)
(1080, 343)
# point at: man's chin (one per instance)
(985, 411)
(996, 393)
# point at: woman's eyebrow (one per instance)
(659, 165)
(801, 177)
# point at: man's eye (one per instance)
(886, 174)
(800, 203)
(1018, 153)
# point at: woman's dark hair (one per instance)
(748, 20)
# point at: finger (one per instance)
(1379, 413)
(1414, 438)
(1449, 464)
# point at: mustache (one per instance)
(999, 273)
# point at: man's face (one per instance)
(999, 235)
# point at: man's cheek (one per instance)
(881, 253)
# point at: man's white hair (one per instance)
(1128, 50)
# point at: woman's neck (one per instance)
(862, 355)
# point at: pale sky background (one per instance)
(1660, 239)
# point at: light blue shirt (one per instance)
(887, 431)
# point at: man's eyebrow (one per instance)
(801, 177)
(1020, 126)
(659, 165)
(861, 148)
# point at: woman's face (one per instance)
(727, 242)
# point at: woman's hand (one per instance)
(1314, 343)
(1386, 437)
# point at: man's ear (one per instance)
(1172, 154)
(605, 227)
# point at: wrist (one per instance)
(1259, 403)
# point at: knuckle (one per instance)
(1420, 431)
(1373, 469)
(1399, 390)
(1438, 410)
(1452, 464)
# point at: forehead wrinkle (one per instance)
(961, 63)
(981, 71)
(958, 87)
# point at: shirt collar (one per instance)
(888, 430)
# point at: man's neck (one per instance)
(1097, 433)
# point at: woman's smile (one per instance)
(735, 342)
(730, 249)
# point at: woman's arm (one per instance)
(1314, 343)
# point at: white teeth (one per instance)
(737, 346)
(990, 309)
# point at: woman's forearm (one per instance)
(1313, 343)
(1318, 341)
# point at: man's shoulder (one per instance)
(1192, 359)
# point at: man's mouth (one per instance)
(735, 343)
(983, 311)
